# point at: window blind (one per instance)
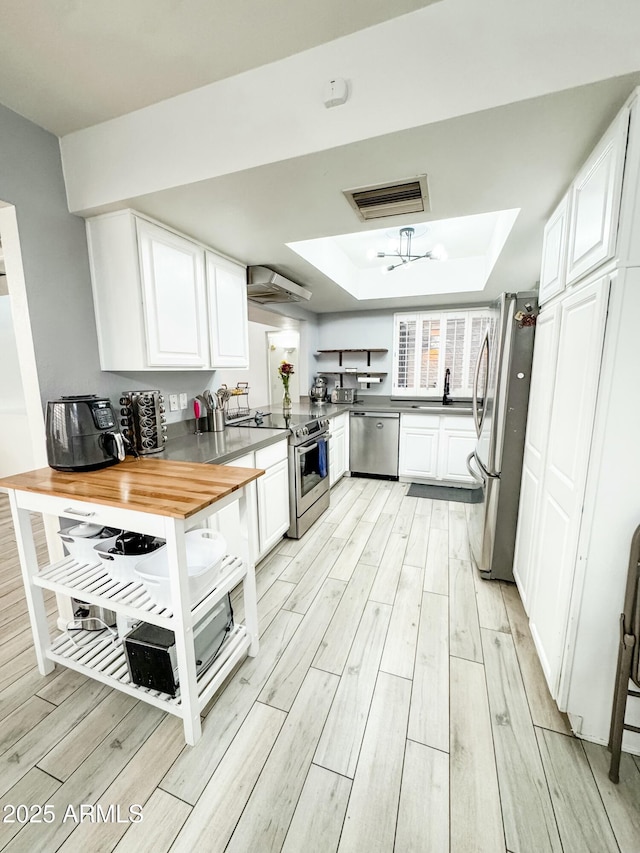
(429, 342)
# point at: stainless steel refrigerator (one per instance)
(500, 401)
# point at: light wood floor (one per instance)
(396, 703)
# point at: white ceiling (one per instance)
(507, 112)
(69, 64)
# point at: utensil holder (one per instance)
(216, 420)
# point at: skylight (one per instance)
(472, 245)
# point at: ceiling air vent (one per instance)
(397, 199)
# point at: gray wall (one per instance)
(56, 268)
(354, 330)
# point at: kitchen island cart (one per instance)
(160, 498)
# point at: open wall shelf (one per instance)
(361, 375)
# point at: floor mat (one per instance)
(445, 493)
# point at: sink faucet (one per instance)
(446, 399)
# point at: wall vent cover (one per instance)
(392, 199)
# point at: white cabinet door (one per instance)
(418, 452)
(173, 292)
(554, 253)
(338, 448)
(543, 374)
(336, 455)
(595, 202)
(455, 447)
(582, 323)
(228, 324)
(227, 520)
(273, 505)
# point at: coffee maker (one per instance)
(318, 391)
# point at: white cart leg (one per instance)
(249, 582)
(33, 594)
(185, 650)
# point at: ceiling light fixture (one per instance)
(404, 253)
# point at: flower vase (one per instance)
(286, 401)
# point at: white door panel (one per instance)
(582, 323)
(595, 202)
(539, 414)
(173, 290)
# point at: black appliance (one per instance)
(82, 434)
(151, 650)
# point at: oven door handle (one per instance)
(306, 448)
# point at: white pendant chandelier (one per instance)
(404, 254)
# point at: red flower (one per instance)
(285, 370)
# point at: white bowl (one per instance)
(121, 567)
(81, 539)
(205, 552)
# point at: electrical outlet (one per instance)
(173, 402)
(183, 401)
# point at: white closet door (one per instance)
(539, 415)
(582, 323)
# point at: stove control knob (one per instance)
(305, 430)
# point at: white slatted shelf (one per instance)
(91, 583)
(101, 658)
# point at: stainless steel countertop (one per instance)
(235, 441)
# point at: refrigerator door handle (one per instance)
(477, 416)
(478, 478)
(489, 475)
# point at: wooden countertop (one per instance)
(157, 486)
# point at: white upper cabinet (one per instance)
(595, 202)
(227, 299)
(173, 294)
(158, 304)
(554, 249)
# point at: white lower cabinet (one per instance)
(227, 520)
(339, 448)
(436, 447)
(273, 505)
(267, 501)
(419, 450)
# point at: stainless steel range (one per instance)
(308, 465)
(308, 474)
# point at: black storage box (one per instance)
(151, 651)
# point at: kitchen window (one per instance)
(429, 342)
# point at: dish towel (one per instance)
(322, 457)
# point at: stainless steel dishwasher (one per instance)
(373, 443)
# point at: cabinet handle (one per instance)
(80, 512)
